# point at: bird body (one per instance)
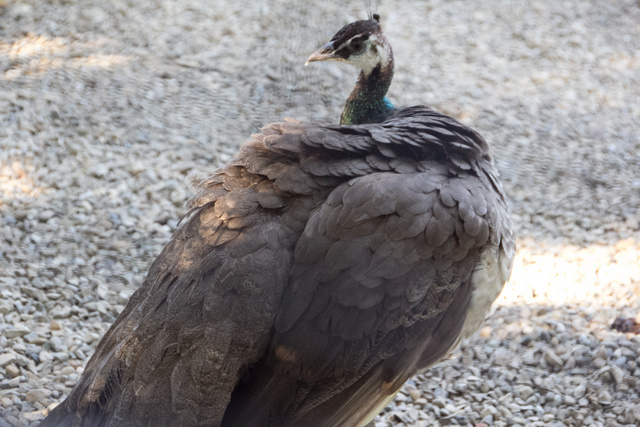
(312, 276)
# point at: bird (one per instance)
(315, 273)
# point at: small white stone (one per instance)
(33, 416)
(617, 374)
(7, 358)
(524, 391)
(552, 358)
(45, 356)
(12, 370)
(579, 391)
(40, 395)
(16, 331)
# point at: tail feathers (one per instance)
(268, 398)
(361, 402)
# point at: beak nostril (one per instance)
(326, 48)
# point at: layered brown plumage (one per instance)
(312, 276)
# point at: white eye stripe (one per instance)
(375, 52)
(348, 42)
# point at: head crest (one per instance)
(370, 14)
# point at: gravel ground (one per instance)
(106, 107)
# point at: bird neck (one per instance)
(367, 102)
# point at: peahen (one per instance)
(314, 274)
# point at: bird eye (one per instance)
(356, 46)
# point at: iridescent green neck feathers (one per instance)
(367, 102)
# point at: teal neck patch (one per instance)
(388, 104)
(357, 112)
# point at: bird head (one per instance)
(359, 43)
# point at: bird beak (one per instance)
(325, 53)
